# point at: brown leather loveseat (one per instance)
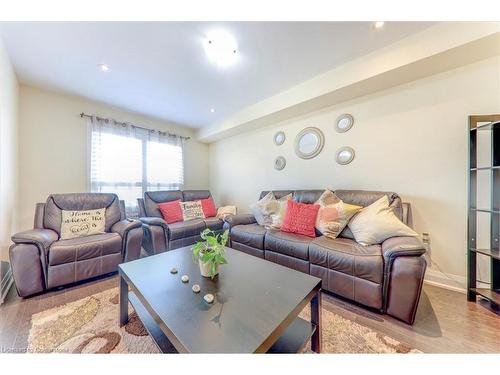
(160, 236)
(387, 277)
(40, 260)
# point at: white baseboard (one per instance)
(451, 282)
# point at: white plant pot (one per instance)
(205, 268)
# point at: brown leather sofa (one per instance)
(160, 236)
(387, 277)
(41, 261)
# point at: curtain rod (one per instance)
(82, 115)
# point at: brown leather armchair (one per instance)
(387, 277)
(41, 261)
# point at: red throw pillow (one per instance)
(300, 218)
(171, 211)
(208, 207)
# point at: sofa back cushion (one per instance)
(153, 198)
(195, 195)
(302, 196)
(52, 217)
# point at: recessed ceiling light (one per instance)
(212, 110)
(379, 24)
(221, 47)
(104, 67)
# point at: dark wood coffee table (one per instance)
(255, 310)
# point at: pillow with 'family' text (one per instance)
(192, 210)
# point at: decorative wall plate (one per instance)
(309, 143)
(344, 123)
(279, 138)
(279, 163)
(344, 155)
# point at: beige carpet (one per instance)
(90, 325)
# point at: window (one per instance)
(129, 162)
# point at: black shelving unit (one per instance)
(491, 125)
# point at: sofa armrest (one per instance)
(43, 238)
(240, 219)
(401, 246)
(122, 227)
(154, 221)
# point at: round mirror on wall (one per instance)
(344, 123)
(279, 163)
(344, 155)
(309, 143)
(279, 138)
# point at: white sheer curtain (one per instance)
(129, 160)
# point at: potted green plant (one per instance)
(209, 253)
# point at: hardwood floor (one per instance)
(445, 323)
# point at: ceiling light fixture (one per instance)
(379, 24)
(104, 67)
(221, 48)
(212, 110)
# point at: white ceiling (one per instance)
(160, 68)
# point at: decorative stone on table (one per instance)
(185, 278)
(196, 288)
(209, 298)
(173, 270)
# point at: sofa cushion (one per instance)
(82, 223)
(291, 244)
(333, 214)
(346, 256)
(208, 207)
(249, 234)
(76, 249)
(377, 222)
(192, 210)
(171, 211)
(263, 209)
(214, 223)
(186, 228)
(300, 218)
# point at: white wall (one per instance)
(411, 139)
(9, 92)
(53, 146)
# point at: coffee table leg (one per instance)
(123, 302)
(316, 319)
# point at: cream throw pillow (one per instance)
(278, 208)
(270, 211)
(82, 223)
(225, 211)
(192, 210)
(260, 210)
(333, 214)
(376, 223)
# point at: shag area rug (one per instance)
(90, 325)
